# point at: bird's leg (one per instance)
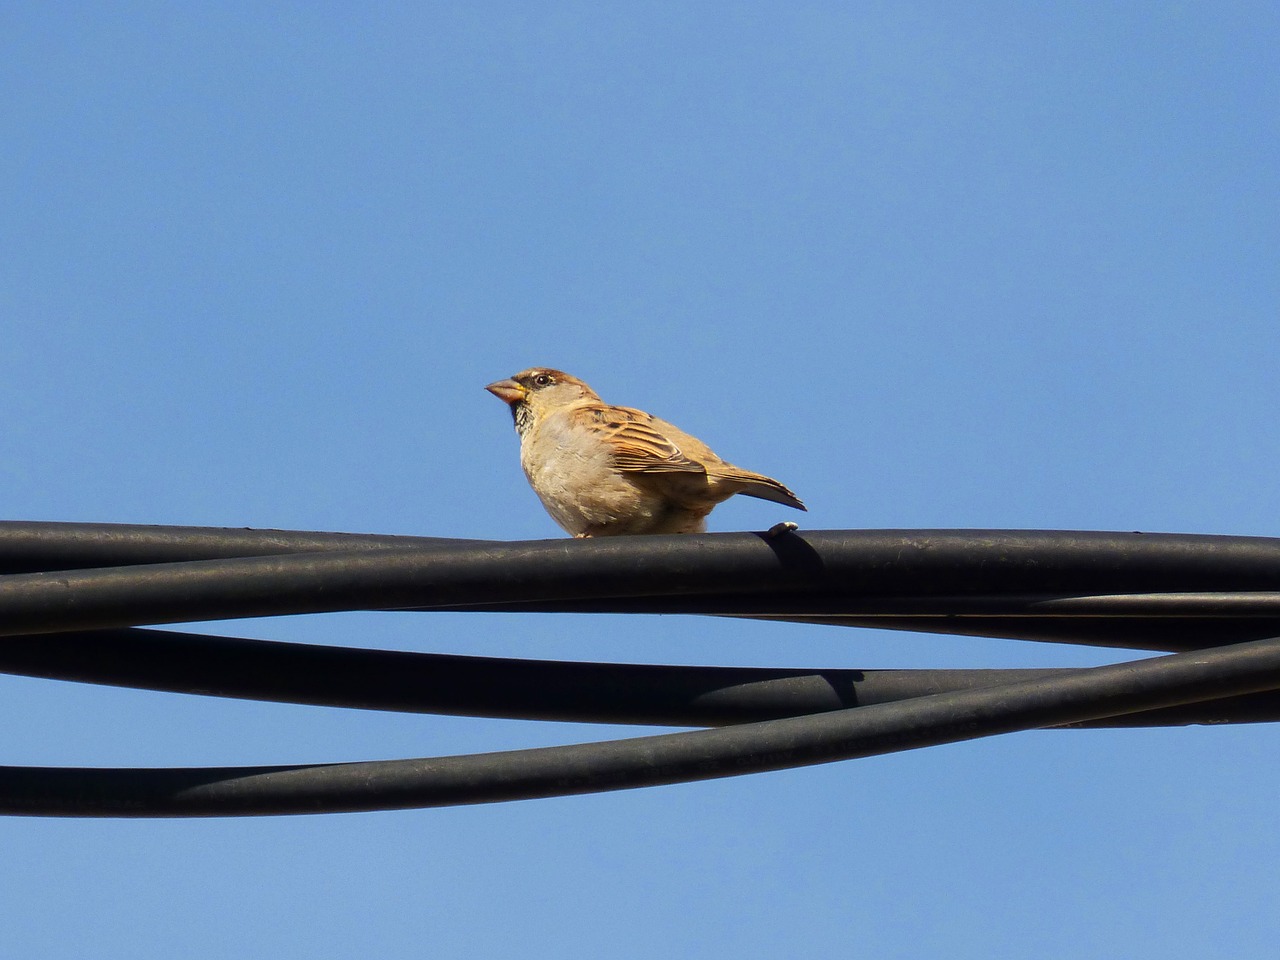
(779, 529)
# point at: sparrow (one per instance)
(604, 471)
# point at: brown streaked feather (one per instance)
(636, 445)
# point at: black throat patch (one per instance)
(523, 417)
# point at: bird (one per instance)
(602, 470)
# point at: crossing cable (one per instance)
(645, 761)
(73, 592)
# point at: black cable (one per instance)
(645, 761)
(861, 570)
(1133, 633)
(30, 546)
(1175, 621)
(1161, 590)
(965, 561)
(366, 679)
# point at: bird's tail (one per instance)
(763, 488)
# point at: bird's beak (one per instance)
(508, 391)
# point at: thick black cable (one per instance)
(874, 574)
(644, 761)
(29, 545)
(663, 695)
(962, 561)
(380, 579)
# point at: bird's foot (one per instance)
(780, 529)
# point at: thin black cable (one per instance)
(1130, 633)
(30, 546)
(645, 761)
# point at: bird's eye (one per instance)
(541, 380)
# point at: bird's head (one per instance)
(531, 392)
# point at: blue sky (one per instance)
(930, 265)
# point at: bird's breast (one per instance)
(572, 472)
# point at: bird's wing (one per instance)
(636, 442)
